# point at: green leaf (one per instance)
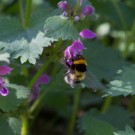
(60, 28)
(118, 117)
(15, 125)
(56, 103)
(60, 84)
(27, 44)
(103, 61)
(123, 83)
(131, 3)
(21, 91)
(57, 90)
(90, 99)
(31, 50)
(92, 82)
(92, 126)
(10, 126)
(9, 29)
(129, 131)
(115, 10)
(16, 95)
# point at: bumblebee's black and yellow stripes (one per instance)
(79, 64)
(76, 73)
(77, 70)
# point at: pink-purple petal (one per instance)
(4, 91)
(43, 79)
(86, 33)
(2, 82)
(77, 45)
(35, 92)
(67, 52)
(69, 62)
(63, 5)
(74, 49)
(5, 70)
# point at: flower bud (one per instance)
(65, 14)
(86, 33)
(88, 10)
(76, 18)
(63, 5)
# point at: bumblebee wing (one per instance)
(91, 81)
(62, 61)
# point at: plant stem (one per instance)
(106, 104)
(28, 12)
(75, 110)
(122, 19)
(77, 5)
(21, 11)
(37, 102)
(24, 130)
(39, 73)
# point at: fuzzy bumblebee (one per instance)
(76, 71)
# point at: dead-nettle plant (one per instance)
(46, 58)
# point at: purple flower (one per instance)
(88, 10)
(76, 18)
(3, 71)
(77, 46)
(86, 33)
(74, 49)
(43, 79)
(3, 89)
(65, 14)
(63, 5)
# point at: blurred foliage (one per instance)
(10, 126)
(129, 131)
(110, 57)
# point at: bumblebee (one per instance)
(77, 73)
(76, 70)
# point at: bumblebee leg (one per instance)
(66, 72)
(69, 78)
